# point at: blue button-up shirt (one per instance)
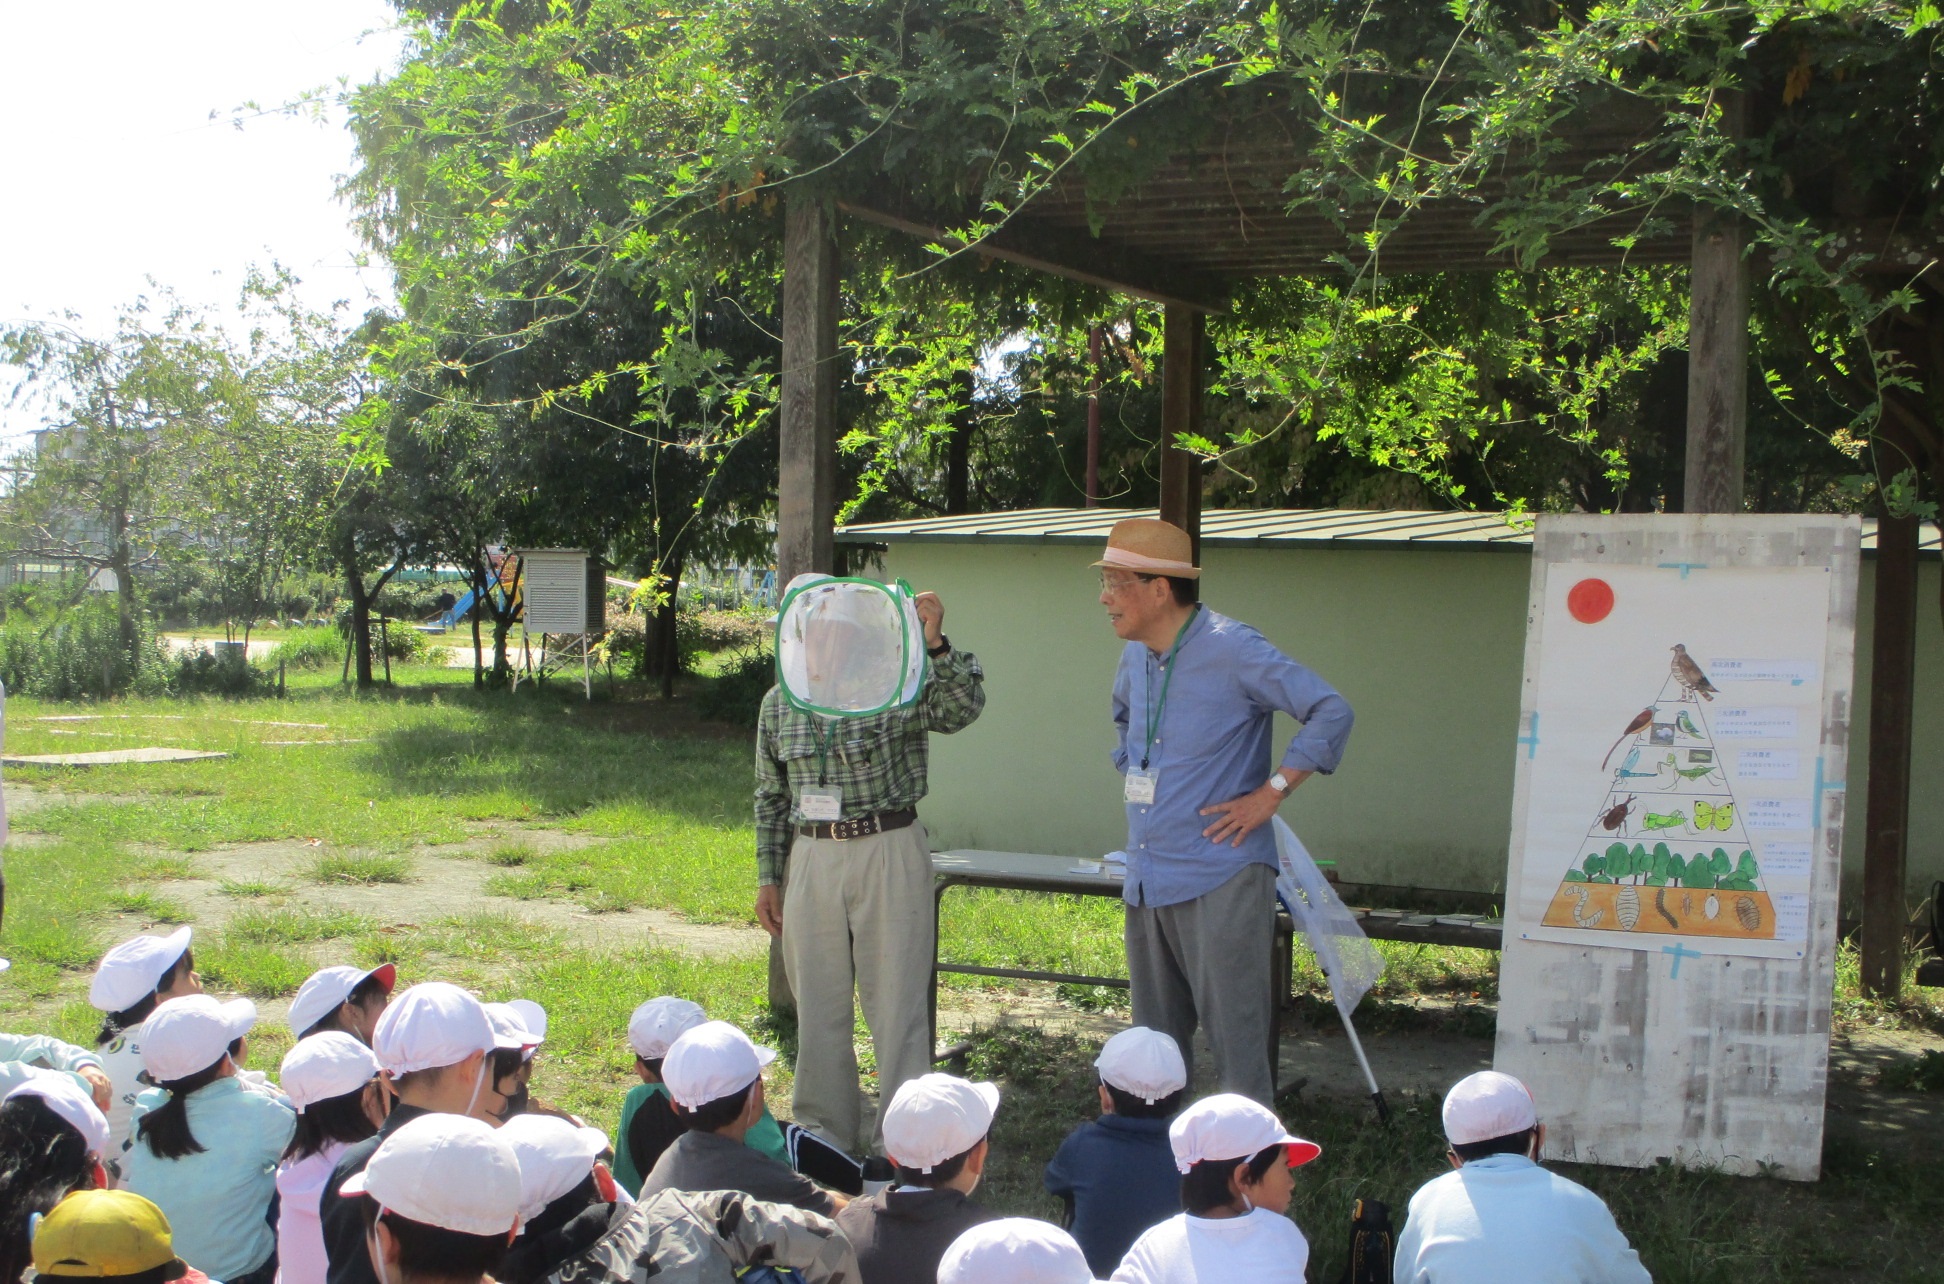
(1213, 745)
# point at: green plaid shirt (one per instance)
(878, 761)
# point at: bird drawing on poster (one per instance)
(1640, 720)
(1689, 675)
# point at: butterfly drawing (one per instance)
(1707, 816)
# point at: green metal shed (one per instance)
(1417, 617)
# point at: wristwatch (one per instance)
(1279, 783)
(944, 645)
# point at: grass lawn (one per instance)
(589, 856)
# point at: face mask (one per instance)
(377, 1255)
(479, 1081)
(516, 1103)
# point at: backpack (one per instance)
(1371, 1241)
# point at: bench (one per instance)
(1065, 876)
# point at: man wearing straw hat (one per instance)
(1194, 699)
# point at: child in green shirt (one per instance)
(648, 1121)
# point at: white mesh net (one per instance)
(1345, 954)
(850, 647)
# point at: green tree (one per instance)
(100, 488)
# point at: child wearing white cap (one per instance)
(574, 1226)
(1017, 1250)
(440, 1201)
(25, 1056)
(1116, 1174)
(1234, 1157)
(935, 1131)
(714, 1076)
(202, 1148)
(128, 984)
(649, 1124)
(332, 1081)
(434, 1044)
(51, 1139)
(1499, 1215)
(342, 998)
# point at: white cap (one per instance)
(510, 1029)
(188, 1035)
(1486, 1105)
(431, 1025)
(1017, 1250)
(1228, 1126)
(324, 1066)
(711, 1061)
(532, 1016)
(130, 972)
(449, 1171)
(659, 1022)
(1143, 1063)
(554, 1155)
(936, 1116)
(66, 1098)
(324, 992)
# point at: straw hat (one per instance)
(1150, 546)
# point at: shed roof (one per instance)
(1247, 528)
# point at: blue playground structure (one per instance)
(450, 619)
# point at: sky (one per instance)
(116, 173)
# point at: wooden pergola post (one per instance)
(806, 496)
(1182, 333)
(1893, 676)
(1717, 417)
(806, 500)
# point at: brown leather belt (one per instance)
(863, 827)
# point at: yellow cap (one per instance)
(96, 1233)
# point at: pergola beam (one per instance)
(1062, 252)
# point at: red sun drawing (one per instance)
(1590, 601)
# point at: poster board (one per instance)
(1671, 890)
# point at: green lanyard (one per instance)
(1155, 707)
(822, 735)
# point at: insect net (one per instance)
(1345, 954)
(850, 647)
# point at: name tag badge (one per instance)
(821, 804)
(1139, 786)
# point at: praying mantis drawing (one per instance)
(1708, 771)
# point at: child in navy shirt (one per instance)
(1117, 1174)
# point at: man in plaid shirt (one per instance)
(851, 898)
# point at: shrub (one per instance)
(228, 674)
(736, 697)
(401, 641)
(700, 632)
(68, 652)
(313, 648)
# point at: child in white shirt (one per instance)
(1235, 1159)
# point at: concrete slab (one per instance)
(102, 757)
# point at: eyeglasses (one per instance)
(1121, 583)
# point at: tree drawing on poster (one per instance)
(1667, 851)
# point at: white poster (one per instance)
(1677, 728)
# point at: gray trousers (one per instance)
(1206, 962)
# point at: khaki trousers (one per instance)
(858, 916)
